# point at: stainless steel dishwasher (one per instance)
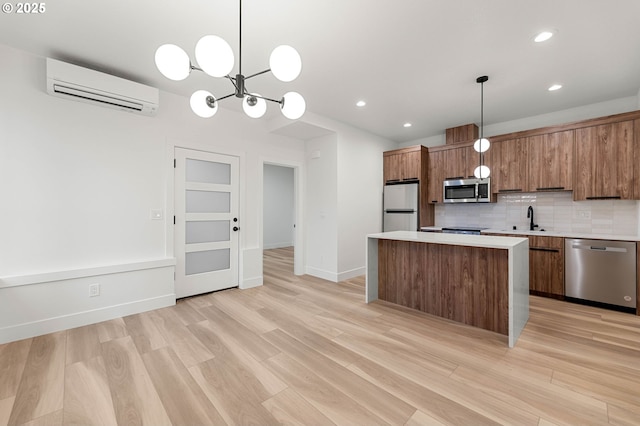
(601, 271)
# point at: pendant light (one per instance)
(481, 145)
(215, 58)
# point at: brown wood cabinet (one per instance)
(402, 165)
(410, 164)
(464, 284)
(550, 159)
(437, 161)
(604, 166)
(546, 265)
(451, 163)
(509, 168)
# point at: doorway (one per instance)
(280, 215)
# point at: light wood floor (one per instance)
(300, 350)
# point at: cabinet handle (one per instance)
(614, 197)
(454, 178)
(510, 190)
(544, 249)
(434, 201)
(393, 180)
(413, 179)
(551, 188)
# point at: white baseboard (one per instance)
(79, 319)
(347, 275)
(332, 276)
(251, 283)
(320, 273)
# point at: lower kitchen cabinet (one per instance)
(546, 265)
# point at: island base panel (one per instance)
(464, 284)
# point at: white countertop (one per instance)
(487, 241)
(549, 234)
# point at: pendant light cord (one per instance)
(240, 42)
(481, 126)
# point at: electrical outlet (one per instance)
(584, 214)
(94, 290)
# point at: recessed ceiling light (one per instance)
(555, 87)
(407, 124)
(543, 36)
(361, 103)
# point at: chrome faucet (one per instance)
(530, 215)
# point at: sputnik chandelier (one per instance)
(215, 58)
(481, 145)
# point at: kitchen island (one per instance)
(481, 281)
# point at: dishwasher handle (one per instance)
(599, 248)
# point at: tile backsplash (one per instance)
(553, 211)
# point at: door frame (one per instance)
(169, 208)
(217, 279)
(298, 202)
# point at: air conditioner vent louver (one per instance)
(89, 86)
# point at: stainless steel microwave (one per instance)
(467, 191)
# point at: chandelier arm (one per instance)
(225, 97)
(266, 99)
(257, 74)
(193, 67)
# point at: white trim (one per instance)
(347, 275)
(19, 280)
(78, 319)
(252, 282)
(321, 273)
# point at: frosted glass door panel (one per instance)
(208, 231)
(208, 202)
(208, 172)
(207, 261)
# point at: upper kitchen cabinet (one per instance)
(405, 164)
(444, 164)
(551, 161)
(509, 165)
(604, 166)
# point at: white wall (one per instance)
(278, 206)
(78, 182)
(344, 203)
(321, 207)
(359, 197)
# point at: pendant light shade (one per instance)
(285, 63)
(293, 105)
(173, 62)
(214, 55)
(203, 104)
(482, 172)
(253, 105)
(481, 145)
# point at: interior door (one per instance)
(206, 222)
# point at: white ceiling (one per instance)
(411, 60)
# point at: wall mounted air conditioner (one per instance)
(85, 85)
